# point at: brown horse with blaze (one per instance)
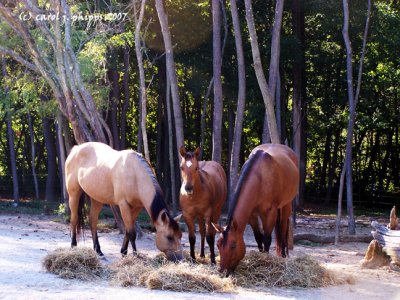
(122, 178)
(202, 195)
(267, 184)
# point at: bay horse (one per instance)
(122, 178)
(202, 195)
(267, 184)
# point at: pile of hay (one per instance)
(74, 263)
(262, 269)
(255, 270)
(158, 273)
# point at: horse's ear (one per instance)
(164, 217)
(217, 227)
(182, 151)
(197, 153)
(234, 225)
(177, 218)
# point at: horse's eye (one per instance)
(170, 238)
(197, 168)
(182, 168)
(233, 246)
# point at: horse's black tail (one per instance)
(282, 238)
(82, 214)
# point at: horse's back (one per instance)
(217, 177)
(100, 171)
(280, 166)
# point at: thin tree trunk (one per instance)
(10, 137)
(262, 82)
(275, 54)
(241, 101)
(31, 134)
(142, 84)
(299, 100)
(125, 106)
(171, 70)
(62, 157)
(217, 64)
(353, 99)
(115, 98)
(171, 148)
(51, 160)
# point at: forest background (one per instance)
(66, 79)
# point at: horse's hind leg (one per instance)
(95, 208)
(268, 221)
(74, 199)
(257, 232)
(202, 229)
(282, 231)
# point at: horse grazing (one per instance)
(202, 195)
(122, 178)
(267, 184)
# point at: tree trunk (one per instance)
(275, 53)
(352, 107)
(142, 84)
(61, 158)
(10, 138)
(262, 82)
(115, 99)
(125, 105)
(241, 101)
(299, 98)
(171, 148)
(171, 70)
(51, 161)
(217, 63)
(31, 135)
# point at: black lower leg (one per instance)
(96, 246)
(124, 248)
(132, 238)
(267, 242)
(73, 240)
(192, 241)
(210, 242)
(259, 239)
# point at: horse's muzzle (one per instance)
(175, 256)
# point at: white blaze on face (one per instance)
(189, 164)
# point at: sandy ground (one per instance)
(25, 240)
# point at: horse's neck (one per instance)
(201, 180)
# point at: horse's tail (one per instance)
(278, 233)
(82, 214)
(282, 238)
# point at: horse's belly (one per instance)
(96, 184)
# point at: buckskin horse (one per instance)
(267, 184)
(122, 178)
(202, 195)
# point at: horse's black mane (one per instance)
(242, 179)
(158, 203)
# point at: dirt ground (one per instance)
(26, 239)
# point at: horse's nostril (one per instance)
(189, 188)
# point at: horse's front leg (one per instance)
(268, 220)
(202, 230)
(258, 235)
(211, 239)
(192, 236)
(282, 231)
(95, 208)
(74, 207)
(130, 233)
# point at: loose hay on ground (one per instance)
(157, 273)
(262, 269)
(74, 263)
(255, 270)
